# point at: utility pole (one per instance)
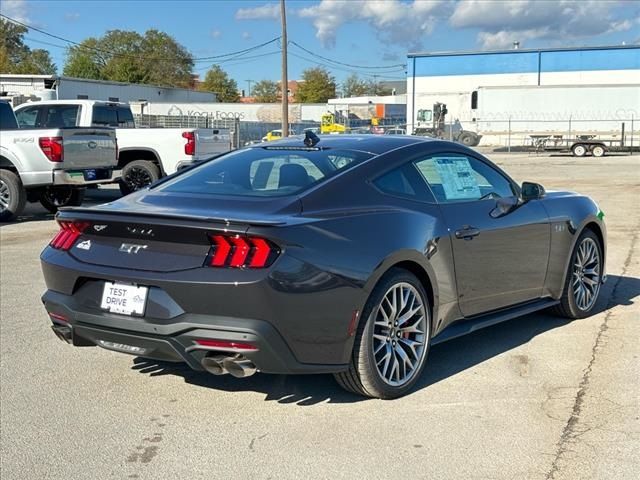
(249, 82)
(284, 86)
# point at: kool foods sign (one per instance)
(250, 112)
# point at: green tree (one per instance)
(317, 86)
(125, 56)
(266, 91)
(375, 88)
(353, 86)
(218, 81)
(16, 57)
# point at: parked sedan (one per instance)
(345, 254)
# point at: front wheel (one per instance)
(584, 277)
(52, 198)
(392, 340)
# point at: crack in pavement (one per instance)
(570, 432)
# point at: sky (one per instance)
(372, 36)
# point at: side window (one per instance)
(125, 118)
(425, 115)
(27, 117)
(474, 100)
(404, 182)
(455, 178)
(62, 116)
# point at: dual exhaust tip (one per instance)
(236, 365)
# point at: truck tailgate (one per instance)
(212, 141)
(89, 148)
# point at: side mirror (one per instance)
(531, 191)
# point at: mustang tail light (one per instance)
(68, 234)
(52, 148)
(190, 146)
(235, 251)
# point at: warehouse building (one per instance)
(51, 87)
(455, 78)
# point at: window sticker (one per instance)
(458, 178)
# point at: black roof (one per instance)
(376, 144)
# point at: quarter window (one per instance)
(455, 178)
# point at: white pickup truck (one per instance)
(146, 154)
(51, 165)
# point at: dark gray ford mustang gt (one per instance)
(351, 255)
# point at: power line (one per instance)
(366, 74)
(395, 66)
(139, 57)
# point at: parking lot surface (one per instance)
(534, 398)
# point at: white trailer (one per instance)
(524, 114)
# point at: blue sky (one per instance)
(359, 32)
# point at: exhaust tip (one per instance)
(239, 368)
(213, 364)
(63, 333)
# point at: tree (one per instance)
(218, 81)
(353, 86)
(266, 91)
(16, 57)
(375, 88)
(125, 56)
(317, 86)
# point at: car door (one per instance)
(500, 255)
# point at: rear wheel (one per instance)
(579, 150)
(468, 139)
(392, 340)
(137, 175)
(12, 196)
(52, 198)
(597, 151)
(582, 285)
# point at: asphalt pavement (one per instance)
(535, 398)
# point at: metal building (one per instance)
(68, 88)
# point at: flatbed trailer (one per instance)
(582, 145)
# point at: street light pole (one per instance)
(284, 86)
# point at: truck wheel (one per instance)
(52, 198)
(597, 151)
(579, 150)
(137, 175)
(468, 139)
(12, 196)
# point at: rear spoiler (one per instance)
(79, 213)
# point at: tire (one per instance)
(468, 139)
(137, 175)
(379, 374)
(52, 198)
(579, 150)
(12, 196)
(598, 151)
(571, 303)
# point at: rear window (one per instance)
(112, 116)
(263, 172)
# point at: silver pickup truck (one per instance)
(51, 165)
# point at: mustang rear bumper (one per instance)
(175, 342)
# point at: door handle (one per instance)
(467, 232)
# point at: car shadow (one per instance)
(445, 359)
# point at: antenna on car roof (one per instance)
(310, 139)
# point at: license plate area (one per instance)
(124, 298)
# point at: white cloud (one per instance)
(268, 11)
(215, 33)
(16, 9)
(394, 20)
(502, 23)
